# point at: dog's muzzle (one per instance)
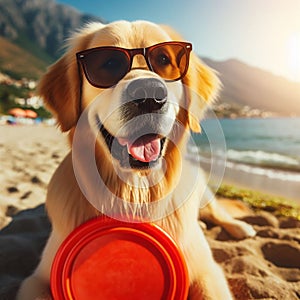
(144, 113)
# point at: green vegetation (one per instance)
(42, 112)
(280, 206)
(8, 94)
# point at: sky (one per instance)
(261, 33)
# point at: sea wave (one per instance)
(261, 163)
(264, 159)
(270, 173)
(249, 157)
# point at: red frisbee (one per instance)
(111, 260)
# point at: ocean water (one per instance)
(262, 147)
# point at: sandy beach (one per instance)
(264, 267)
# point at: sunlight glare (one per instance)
(294, 56)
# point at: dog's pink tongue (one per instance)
(145, 148)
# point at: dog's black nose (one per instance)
(149, 94)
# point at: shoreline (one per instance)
(238, 175)
(273, 186)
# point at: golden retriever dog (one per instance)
(129, 93)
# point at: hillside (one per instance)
(17, 62)
(247, 85)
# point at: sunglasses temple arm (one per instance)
(80, 88)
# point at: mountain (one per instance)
(32, 33)
(245, 85)
(37, 28)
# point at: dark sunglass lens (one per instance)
(169, 60)
(105, 67)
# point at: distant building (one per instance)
(34, 101)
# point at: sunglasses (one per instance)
(105, 66)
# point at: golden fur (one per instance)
(66, 204)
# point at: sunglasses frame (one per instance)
(130, 53)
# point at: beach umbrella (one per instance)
(17, 112)
(30, 114)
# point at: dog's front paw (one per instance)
(239, 229)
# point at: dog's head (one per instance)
(137, 80)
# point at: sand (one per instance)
(28, 155)
(264, 267)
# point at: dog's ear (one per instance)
(60, 88)
(201, 85)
